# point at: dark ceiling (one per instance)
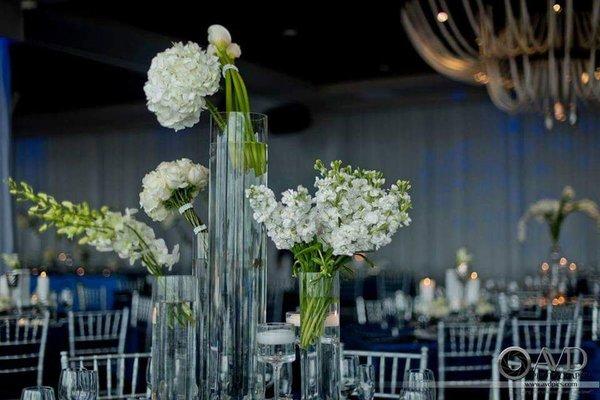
(317, 42)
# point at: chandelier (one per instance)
(531, 57)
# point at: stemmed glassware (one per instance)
(418, 385)
(37, 393)
(366, 382)
(349, 371)
(276, 345)
(78, 384)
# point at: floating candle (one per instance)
(276, 337)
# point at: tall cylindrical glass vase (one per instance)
(237, 255)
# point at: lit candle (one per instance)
(472, 290)
(427, 290)
(43, 287)
(276, 337)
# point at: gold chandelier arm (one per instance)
(433, 51)
(452, 42)
(459, 37)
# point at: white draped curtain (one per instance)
(474, 170)
(6, 226)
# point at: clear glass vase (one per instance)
(200, 272)
(320, 335)
(174, 338)
(237, 256)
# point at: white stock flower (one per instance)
(179, 79)
(160, 185)
(219, 36)
(349, 213)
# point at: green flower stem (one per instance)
(237, 100)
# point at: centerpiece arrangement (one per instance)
(181, 81)
(554, 212)
(350, 214)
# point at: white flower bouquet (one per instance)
(171, 188)
(350, 213)
(102, 228)
(181, 79)
(11, 261)
(554, 212)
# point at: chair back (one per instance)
(553, 335)
(465, 349)
(563, 312)
(372, 311)
(541, 383)
(390, 368)
(97, 332)
(141, 309)
(22, 345)
(92, 299)
(120, 376)
(595, 321)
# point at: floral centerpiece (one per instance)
(463, 259)
(182, 78)
(11, 261)
(554, 212)
(350, 213)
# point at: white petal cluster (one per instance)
(288, 222)
(131, 239)
(554, 211)
(351, 211)
(11, 260)
(159, 186)
(179, 79)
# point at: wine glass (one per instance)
(366, 382)
(418, 385)
(349, 371)
(276, 345)
(78, 384)
(37, 393)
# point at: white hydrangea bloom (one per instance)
(159, 186)
(179, 79)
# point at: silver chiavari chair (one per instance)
(372, 311)
(92, 299)
(595, 321)
(141, 309)
(390, 368)
(97, 332)
(22, 345)
(553, 335)
(541, 383)
(121, 376)
(467, 348)
(564, 312)
(526, 304)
